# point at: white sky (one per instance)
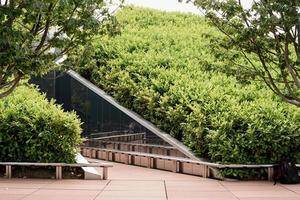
(165, 5)
(172, 5)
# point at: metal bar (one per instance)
(134, 136)
(110, 133)
(126, 143)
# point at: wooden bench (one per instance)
(58, 167)
(134, 147)
(176, 164)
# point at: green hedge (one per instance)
(163, 66)
(35, 130)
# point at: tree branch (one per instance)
(56, 34)
(36, 25)
(298, 34)
(288, 64)
(47, 26)
(14, 84)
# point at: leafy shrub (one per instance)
(163, 67)
(35, 130)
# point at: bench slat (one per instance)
(58, 167)
(58, 164)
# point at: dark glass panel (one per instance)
(99, 116)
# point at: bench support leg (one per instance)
(205, 171)
(105, 173)
(8, 171)
(174, 166)
(127, 159)
(270, 173)
(58, 172)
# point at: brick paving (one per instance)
(136, 183)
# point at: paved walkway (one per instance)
(136, 183)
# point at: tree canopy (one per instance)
(268, 32)
(36, 35)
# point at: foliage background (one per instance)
(171, 69)
(35, 130)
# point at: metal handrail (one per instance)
(118, 136)
(135, 144)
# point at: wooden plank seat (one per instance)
(58, 166)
